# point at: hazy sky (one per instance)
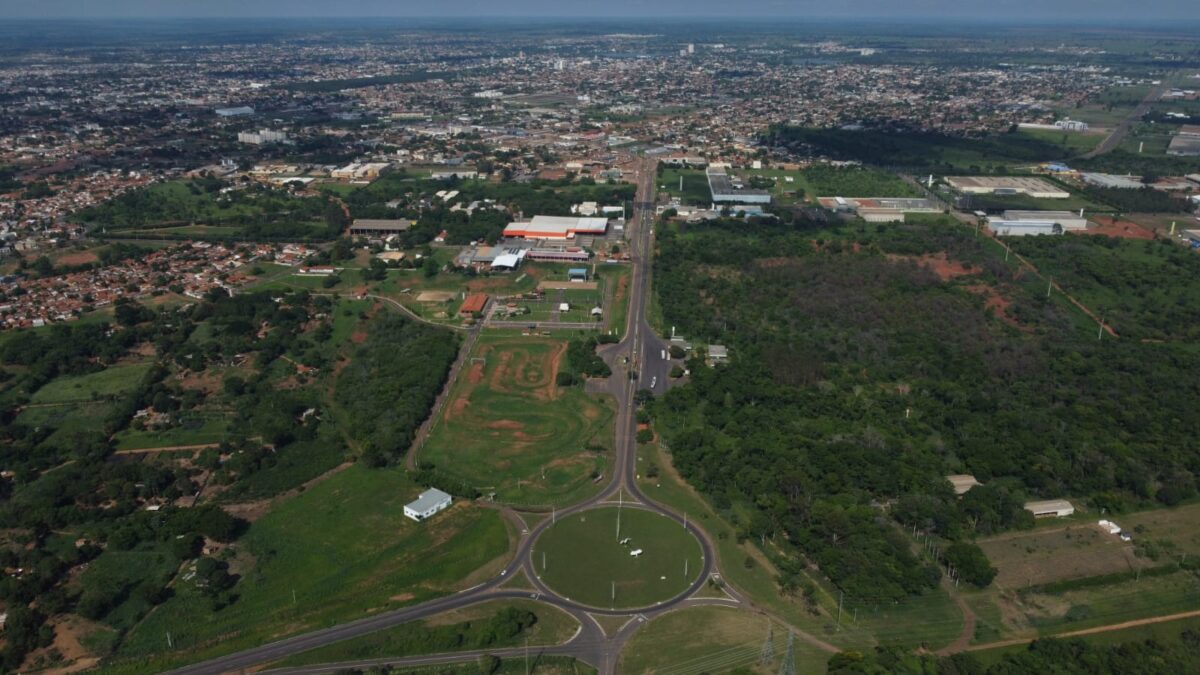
(1016, 10)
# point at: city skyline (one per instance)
(1020, 10)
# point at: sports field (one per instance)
(586, 561)
(508, 428)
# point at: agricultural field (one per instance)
(493, 624)
(1110, 107)
(338, 551)
(586, 558)
(509, 428)
(797, 190)
(713, 639)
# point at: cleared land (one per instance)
(1070, 552)
(508, 428)
(586, 561)
(344, 548)
(107, 383)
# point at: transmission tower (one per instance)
(767, 655)
(788, 667)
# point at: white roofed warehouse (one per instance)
(429, 503)
(557, 227)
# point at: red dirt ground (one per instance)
(993, 300)
(81, 258)
(939, 264)
(1117, 228)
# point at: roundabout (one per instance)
(617, 557)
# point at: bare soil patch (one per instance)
(938, 263)
(79, 258)
(1109, 226)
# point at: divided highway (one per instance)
(640, 350)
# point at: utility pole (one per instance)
(685, 562)
(1049, 285)
(1100, 332)
(839, 619)
(767, 655)
(169, 645)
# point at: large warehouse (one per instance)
(1007, 185)
(1024, 223)
(557, 227)
(725, 190)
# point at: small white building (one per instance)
(430, 502)
(1050, 508)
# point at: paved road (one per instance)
(642, 350)
(1114, 138)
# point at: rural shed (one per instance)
(428, 503)
(1050, 508)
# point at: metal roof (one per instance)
(428, 499)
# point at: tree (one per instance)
(430, 267)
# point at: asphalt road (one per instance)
(1114, 138)
(640, 350)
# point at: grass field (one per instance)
(553, 627)
(1069, 552)
(66, 420)
(827, 181)
(1071, 142)
(338, 551)
(585, 562)
(695, 185)
(713, 640)
(193, 431)
(508, 428)
(107, 383)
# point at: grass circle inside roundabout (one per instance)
(584, 557)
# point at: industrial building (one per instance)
(557, 227)
(728, 190)
(881, 209)
(1108, 180)
(379, 229)
(361, 171)
(1067, 124)
(240, 111)
(1025, 223)
(1039, 188)
(427, 504)
(262, 136)
(1050, 508)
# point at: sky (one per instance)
(1089, 11)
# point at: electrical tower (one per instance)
(788, 667)
(767, 655)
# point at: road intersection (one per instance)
(642, 352)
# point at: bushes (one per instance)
(582, 359)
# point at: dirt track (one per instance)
(1089, 631)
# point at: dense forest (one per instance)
(860, 379)
(390, 385)
(915, 150)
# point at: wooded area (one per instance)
(863, 378)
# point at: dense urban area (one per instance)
(599, 347)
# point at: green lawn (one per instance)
(695, 185)
(828, 181)
(340, 550)
(436, 635)
(108, 383)
(713, 640)
(190, 431)
(585, 561)
(508, 428)
(1072, 142)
